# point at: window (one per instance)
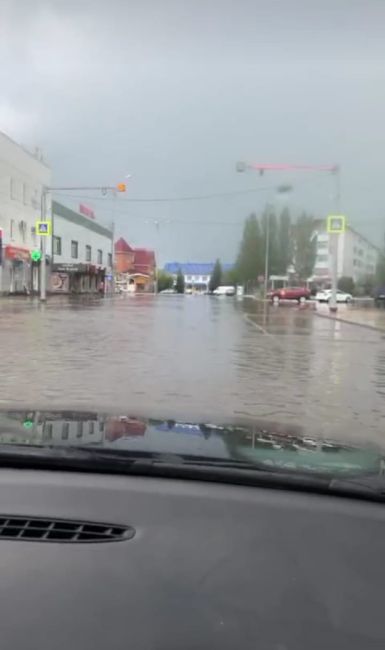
(13, 189)
(65, 431)
(56, 243)
(88, 253)
(110, 260)
(22, 230)
(11, 228)
(100, 256)
(74, 249)
(91, 427)
(79, 429)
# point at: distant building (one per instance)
(357, 256)
(135, 268)
(22, 176)
(124, 257)
(196, 274)
(81, 253)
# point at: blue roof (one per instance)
(194, 268)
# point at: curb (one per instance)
(350, 322)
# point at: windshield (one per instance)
(191, 230)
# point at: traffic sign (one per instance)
(336, 223)
(36, 255)
(43, 228)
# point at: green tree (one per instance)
(305, 246)
(164, 280)
(179, 286)
(250, 258)
(216, 276)
(346, 284)
(231, 276)
(285, 242)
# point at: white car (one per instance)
(326, 294)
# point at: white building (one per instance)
(196, 274)
(82, 249)
(22, 176)
(357, 257)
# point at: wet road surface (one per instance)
(197, 357)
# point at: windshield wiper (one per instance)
(187, 467)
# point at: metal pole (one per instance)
(334, 240)
(43, 217)
(267, 243)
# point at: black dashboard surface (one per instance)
(210, 566)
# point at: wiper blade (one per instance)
(188, 467)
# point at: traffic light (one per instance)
(121, 187)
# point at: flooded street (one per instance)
(197, 357)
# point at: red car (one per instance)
(290, 293)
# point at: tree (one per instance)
(164, 280)
(305, 246)
(231, 276)
(250, 258)
(346, 284)
(179, 286)
(216, 276)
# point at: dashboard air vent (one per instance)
(39, 529)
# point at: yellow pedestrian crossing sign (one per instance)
(43, 228)
(336, 223)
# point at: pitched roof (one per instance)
(144, 257)
(121, 246)
(194, 268)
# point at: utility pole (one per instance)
(267, 245)
(43, 266)
(334, 240)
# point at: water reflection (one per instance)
(273, 448)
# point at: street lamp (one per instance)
(120, 187)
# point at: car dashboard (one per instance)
(198, 565)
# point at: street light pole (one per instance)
(267, 245)
(334, 240)
(43, 267)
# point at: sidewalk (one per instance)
(369, 317)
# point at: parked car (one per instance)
(379, 296)
(326, 294)
(224, 291)
(300, 294)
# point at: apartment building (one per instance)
(22, 177)
(357, 256)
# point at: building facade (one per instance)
(357, 256)
(196, 274)
(22, 176)
(82, 259)
(135, 268)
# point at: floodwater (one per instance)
(195, 357)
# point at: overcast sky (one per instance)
(174, 92)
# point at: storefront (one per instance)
(16, 270)
(77, 278)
